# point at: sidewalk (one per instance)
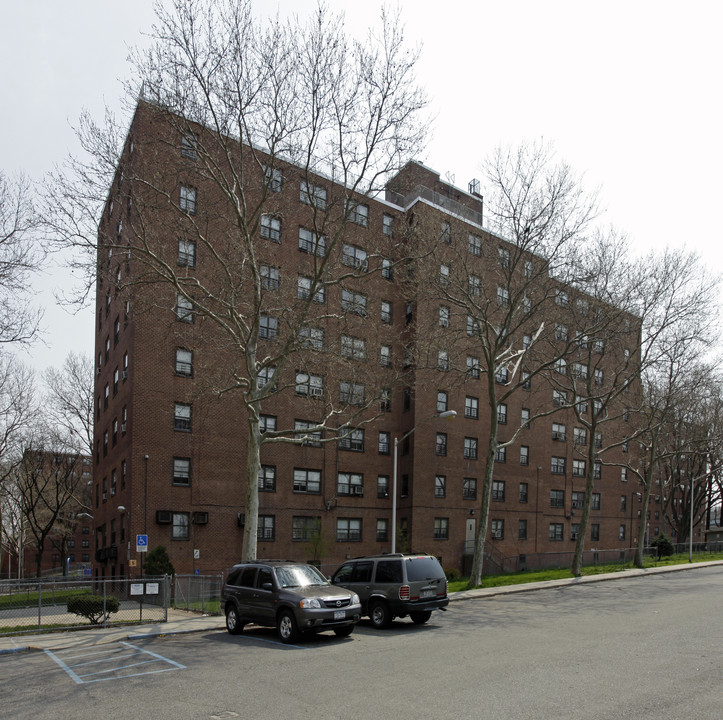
(185, 622)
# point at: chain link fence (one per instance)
(198, 593)
(47, 604)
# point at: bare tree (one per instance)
(19, 258)
(251, 106)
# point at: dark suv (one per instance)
(292, 597)
(395, 585)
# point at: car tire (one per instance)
(419, 618)
(286, 626)
(379, 614)
(233, 622)
(344, 631)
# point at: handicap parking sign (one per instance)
(141, 543)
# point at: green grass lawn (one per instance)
(520, 578)
(29, 598)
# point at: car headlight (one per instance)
(308, 603)
(355, 599)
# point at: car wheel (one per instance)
(344, 631)
(286, 627)
(233, 623)
(419, 618)
(379, 614)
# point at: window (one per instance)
(358, 214)
(621, 533)
(574, 531)
(501, 455)
(265, 531)
(184, 309)
(351, 393)
(561, 298)
(305, 528)
(579, 370)
(623, 502)
(578, 468)
(349, 483)
(473, 367)
(503, 297)
(561, 332)
(623, 474)
(307, 384)
(307, 481)
(595, 504)
(180, 526)
(267, 478)
(522, 529)
(386, 312)
(581, 404)
(472, 326)
(560, 366)
(502, 376)
(475, 245)
(557, 498)
(525, 417)
(353, 347)
(595, 532)
(354, 256)
(182, 417)
(446, 233)
(309, 439)
(354, 441)
(440, 486)
(189, 146)
(268, 327)
(273, 179)
(558, 432)
(187, 253)
(579, 436)
(471, 407)
(187, 200)
(557, 466)
(387, 269)
(441, 528)
(598, 377)
(497, 529)
(385, 404)
(384, 443)
(528, 269)
(388, 225)
(264, 376)
(354, 302)
(442, 400)
(382, 530)
(556, 532)
(310, 242)
(578, 500)
(267, 423)
(441, 444)
(181, 471)
(311, 338)
(382, 486)
(524, 455)
(469, 488)
(524, 492)
(470, 448)
(348, 529)
(443, 360)
(444, 275)
(597, 470)
(385, 355)
(503, 257)
(498, 490)
(443, 316)
(271, 228)
(559, 398)
(502, 414)
(270, 277)
(314, 195)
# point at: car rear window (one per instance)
(423, 568)
(389, 571)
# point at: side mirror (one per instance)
(267, 586)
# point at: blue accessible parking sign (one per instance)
(141, 543)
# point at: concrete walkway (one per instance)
(185, 622)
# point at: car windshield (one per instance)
(423, 568)
(299, 576)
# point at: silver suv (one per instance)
(292, 597)
(395, 585)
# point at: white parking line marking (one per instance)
(78, 665)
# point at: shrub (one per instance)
(452, 574)
(663, 545)
(95, 608)
(158, 562)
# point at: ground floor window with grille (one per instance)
(349, 530)
(382, 530)
(441, 528)
(179, 529)
(265, 531)
(522, 529)
(595, 532)
(556, 532)
(305, 528)
(574, 531)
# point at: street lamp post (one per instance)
(447, 415)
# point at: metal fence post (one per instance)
(105, 607)
(40, 604)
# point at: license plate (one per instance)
(339, 614)
(426, 593)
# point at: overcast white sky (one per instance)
(628, 91)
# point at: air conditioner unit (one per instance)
(444, 323)
(98, 371)
(316, 391)
(123, 427)
(124, 375)
(200, 518)
(357, 490)
(164, 517)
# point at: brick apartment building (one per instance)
(170, 455)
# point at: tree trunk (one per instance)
(475, 577)
(253, 466)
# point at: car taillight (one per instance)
(443, 588)
(404, 592)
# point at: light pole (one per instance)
(446, 415)
(690, 538)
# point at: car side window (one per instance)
(363, 572)
(389, 571)
(264, 576)
(344, 574)
(247, 577)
